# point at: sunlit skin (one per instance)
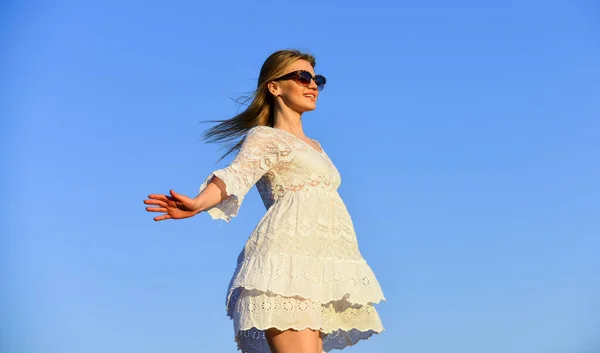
(290, 102)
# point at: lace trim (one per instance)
(262, 310)
(323, 280)
(254, 340)
(341, 322)
(229, 207)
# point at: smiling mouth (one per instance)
(310, 95)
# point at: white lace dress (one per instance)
(301, 266)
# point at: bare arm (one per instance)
(212, 195)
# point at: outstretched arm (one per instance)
(178, 206)
(222, 192)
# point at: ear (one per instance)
(274, 88)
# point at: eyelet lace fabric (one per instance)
(301, 266)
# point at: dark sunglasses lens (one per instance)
(320, 81)
(304, 78)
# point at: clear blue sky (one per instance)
(466, 133)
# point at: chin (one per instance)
(309, 108)
(302, 108)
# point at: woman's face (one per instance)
(293, 95)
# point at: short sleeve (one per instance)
(260, 151)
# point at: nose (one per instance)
(313, 84)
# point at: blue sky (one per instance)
(466, 134)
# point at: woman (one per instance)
(301, 284)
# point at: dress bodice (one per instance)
(280, 164)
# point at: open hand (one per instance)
(174, 206)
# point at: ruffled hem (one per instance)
(254, 341)
(303, 327)
(229, 207)
(341, 323)
(319, 279)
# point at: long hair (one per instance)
(260, 111)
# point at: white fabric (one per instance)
(301, 266)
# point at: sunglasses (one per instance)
(303, 78)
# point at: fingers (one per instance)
(162, 203)
(156, 202)
(174, 195)
(160, 197)
(156, 209)
(162, 218)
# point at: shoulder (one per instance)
(261, 130)
(263, 133)
(268, 138)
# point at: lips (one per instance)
(310, 95)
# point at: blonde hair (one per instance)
(260, 110)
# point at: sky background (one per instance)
(466, 134)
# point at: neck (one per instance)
(287, 119)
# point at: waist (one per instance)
(303, 191)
